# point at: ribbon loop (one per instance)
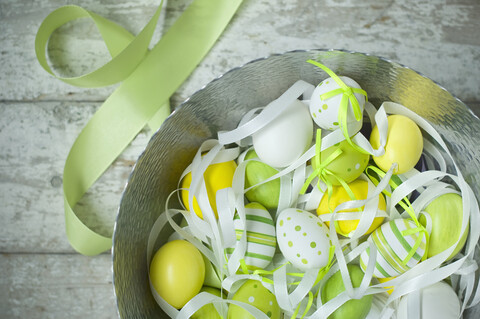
(150, 79)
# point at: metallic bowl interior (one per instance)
(221, 104)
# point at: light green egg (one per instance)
(256, 171)
(354, 308)
(348, 166)
(253, 293)
(446, 212)
(208, 311)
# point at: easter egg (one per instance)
(217, 176)
(404, 144)
(255, 172)
(446, 212)
(393, 248)
(388, 288)
(254, 293)
(339, 195)
(325, 111)
(261, 240)
(437, 301)
(353, 308)
(177, 272)
(348, 166)
(211, 276)
(286, 137)
(208, 311)
(303, 239)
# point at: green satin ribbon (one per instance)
(307, 308)
(347, 96)
(149, 79)
(407, 206)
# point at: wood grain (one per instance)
(40, 135)
(40, 117)
(56, 286)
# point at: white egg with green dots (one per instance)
(261, 240)
(393, 243)
(325, 111)
(303, 239)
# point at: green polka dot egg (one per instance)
(393, 245)
(347, 166)
(254, 293)
(303, 239)
(261, 241)
(325, 111)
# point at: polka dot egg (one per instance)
(347, 166)
(261, 241)
(325, 111)
(254, 293)
(303, 239)
(393, 247)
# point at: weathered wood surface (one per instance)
(42, 277)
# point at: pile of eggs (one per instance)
(286, 193)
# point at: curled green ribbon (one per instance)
(407, 206)
(321, 170)
(309, 305)
(150, 78)
(347, 96)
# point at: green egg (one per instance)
(256, 171)
(253, 293)
(446, 212)
(208, 311)
(354, 308)
(348, 166)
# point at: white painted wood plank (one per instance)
(35, 139)
(56, 286)
(435, 38)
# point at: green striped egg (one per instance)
(261, 240)
(393, 247)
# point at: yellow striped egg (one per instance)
(261, 240)
(393, 243)
(303, 239)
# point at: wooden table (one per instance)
(40, 117)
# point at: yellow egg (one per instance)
(388, 288)
(177, 272)
(404, 144)
(339, 196)
(217, 176)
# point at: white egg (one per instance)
(261, 241)
(303, 239)
(286, 138)
(437, 301)
(325, 112)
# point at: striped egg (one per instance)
(261, 240)
(393, 247)
(303, 239)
